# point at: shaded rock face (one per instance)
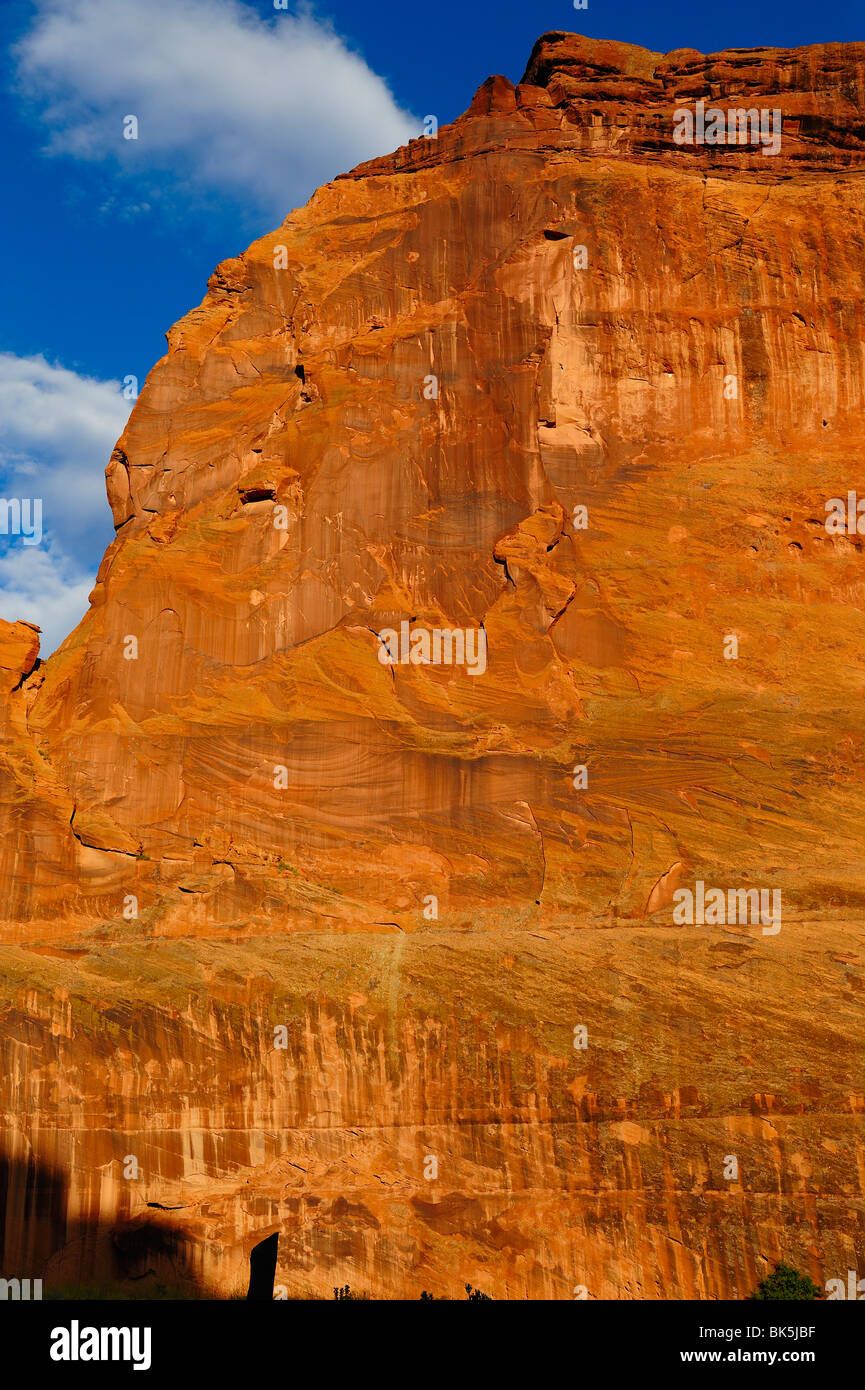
(553, 379)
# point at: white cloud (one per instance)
(43, 586)
(57, 431)
(266, 111)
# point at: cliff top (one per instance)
(601, 97)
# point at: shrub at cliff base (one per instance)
(786, 1283)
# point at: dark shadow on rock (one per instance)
(262, 1268)
(125, 1258)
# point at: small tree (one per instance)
(475, 1295)
(786, 1283)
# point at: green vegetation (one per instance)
(786, 1283)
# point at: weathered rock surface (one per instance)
(223, 814)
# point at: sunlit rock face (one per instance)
(563, 381)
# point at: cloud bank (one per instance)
(57, 430)
(261, 111)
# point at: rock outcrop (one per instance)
(283, 920)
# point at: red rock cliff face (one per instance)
(554, 377)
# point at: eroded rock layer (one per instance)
(553, 377)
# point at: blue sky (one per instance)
(244, 110)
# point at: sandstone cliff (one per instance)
(554, 377)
